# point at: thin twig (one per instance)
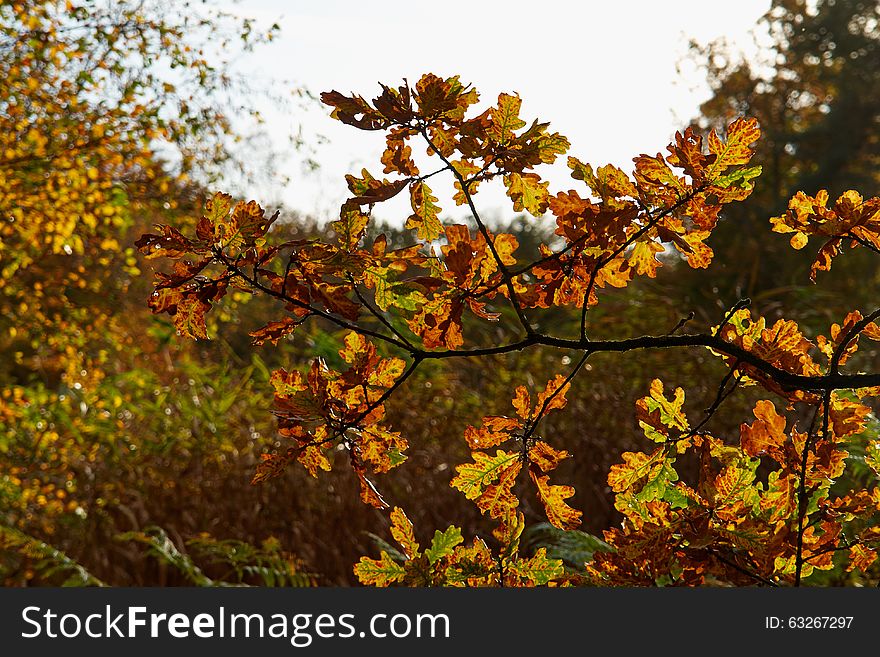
(379, 315)
(505, 272)
(533, 424)
(684, 320)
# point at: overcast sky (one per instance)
(602, 73)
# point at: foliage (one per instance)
(814, 87)
(47, 561)
(112, 113)
(239, 562)
(761, 509)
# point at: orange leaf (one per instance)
(498, 499)
(767, 434)
(369, 494)
(313, 459)
(402, 531)
(553, 497)
(495, 430)
(861, 557)
(545, 456)
(522, 403)
(275, 331)
(553, 395)
(740, 134)
(369, 190)
(269, 467)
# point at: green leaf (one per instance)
(395, 456)
(443, 543)
(538, 570)
(740, 178)
(573, 547)
(425, 217)
(48, 561)
(378, 572)
(350, 226)
(402, 295)
(656, 487)
(472, 478)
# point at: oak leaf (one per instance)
(553, 497)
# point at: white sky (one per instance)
(602, 73)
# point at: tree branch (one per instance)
(505, 272)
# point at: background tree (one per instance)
(112, 116)
(814, 90)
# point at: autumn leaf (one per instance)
(369, 495)
(313, 458)
(354, 110)
(275, 331)
(379, 572)
(251, 221)
(497, 499)
(767, 434)
(657, 414)
(741, 133)
(403, 295)
(473, 478)
(537, 570)
(545, 456)
(654, 175)
(287, 383)
(845, 417)
(780, 499)
(504, 118)
(635, 466)
(522, 403)
(607, 182)
(437, 97)
(495, 430)
(189, 318)
(861, 557)
(443, 544)
(397, 157)
(350, 226)
(643, 258)
(424, 218)
(382, 448)
(508, 533)
(553, 396)
(734, 490)
(686, 152)
(368, 190)
(269, 467)
(466, 169)
(217, 226)
(528, 192)
(402, 531)
(553, 497)
(170, 244)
